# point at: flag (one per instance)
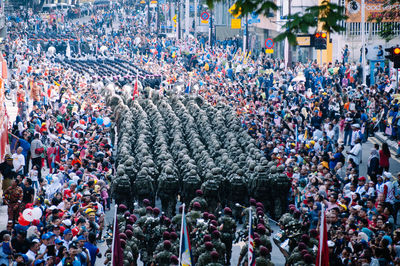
(135, 88)
(189, 86)
(185, 250)
(297, 137)
(250, 253)
(323, 250)
(117, 252)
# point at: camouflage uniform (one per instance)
(13, 196)
(227, 235)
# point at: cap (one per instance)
(227, 210)
(81, 237)
(362, 178)
(58, 241)
(38, 262)
(67, 231)
(331, 244)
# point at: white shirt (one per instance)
(18, 162)
(356, 153)
(33, 174)
(31, 256)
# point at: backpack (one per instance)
(211, 188)
(142, 186)
(123, 185)
(238, 186)
(170, 185)
(263, 183)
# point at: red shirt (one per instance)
(383, 159)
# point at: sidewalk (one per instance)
(383, 138)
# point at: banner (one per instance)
(373, 9)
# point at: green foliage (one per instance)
(328, 14)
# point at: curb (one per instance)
(382, 138)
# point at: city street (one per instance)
(154, 103)
(276, 255)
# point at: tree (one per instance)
(327, 14)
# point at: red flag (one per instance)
(323, 250)
(135, 88)
(117, 252)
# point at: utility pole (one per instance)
(158, 17)
(187, 17)
(363, 59)
(178, 26)
(210, 33)
(246, 34)
(195, 18)
(289, 58)
(148, 15)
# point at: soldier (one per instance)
(263, 259)
(168, 188)
(142, 211)
(228, 229)
(214, 259)
(13, 198)
(200, 199)
(143, 187)
(219, 246)
(190, 185)
(261, 186)
(163, 258)
(238, 193)
(205, 258)
(211, 190)
(282, 186)
(130, 169)
(121, 189)
(177, 219)
(194, 214)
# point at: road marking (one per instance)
(374, 140)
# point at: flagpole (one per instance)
(321, 234)
(249, 259)
(113, 240)
(180, 241)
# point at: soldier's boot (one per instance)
(277, 208)
(237, 211)
(228, 246)
(164, 206)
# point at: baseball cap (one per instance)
(58, 241)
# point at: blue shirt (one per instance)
(26, 146)
(93, 250)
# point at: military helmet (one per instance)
(280, 168)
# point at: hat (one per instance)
(52, 207)
(58, 241)
(81, 237)
(356, 125)
(8, 157)
(36, 240)
(67, 223)
(387, 175)
(227, 210)
(37, 262)
(67, 231)
(45, 236)
(331, 244)
(362, 178)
